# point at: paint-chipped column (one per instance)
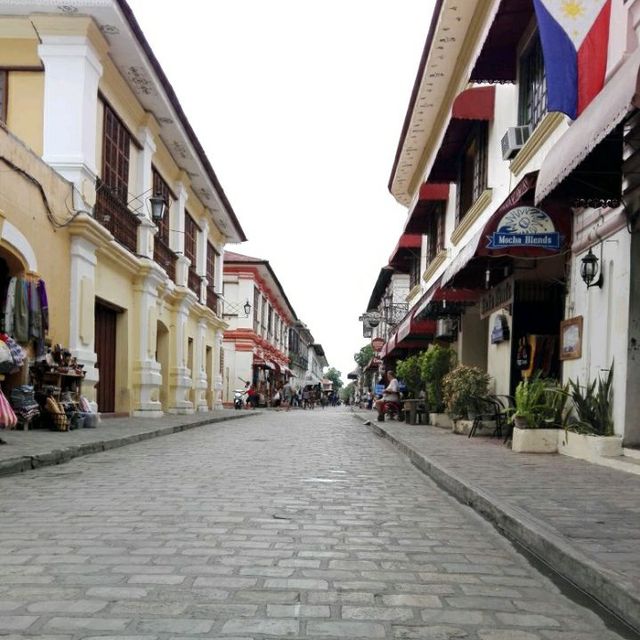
(217, 371)
(82, 312)
(199, 364)
(147, 374)
(180, 383)
(147, 228)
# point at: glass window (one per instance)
(115, 155)
(190, 238)
(533, 85)
(472, 169)
(161, 188)
(212, 257)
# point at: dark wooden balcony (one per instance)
(212, 300)
(115, 216)
(193, 282)
(166, 258)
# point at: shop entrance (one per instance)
(538, 310)
(106, 318)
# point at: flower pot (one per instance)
(534, 440)
(462, 427)
(520, 422)
(588, 447)
(440, 420)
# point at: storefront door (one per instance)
(105, 335)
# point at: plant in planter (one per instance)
(541, 406)
(593, 406)
(459, 388)
(436, 363)
(408, 371)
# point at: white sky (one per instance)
(299, 105)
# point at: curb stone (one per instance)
(609, 588)
(20, 464)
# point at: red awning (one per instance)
(432, 195)
(477, 103)
(438, 301)
(408, 245)
(498, 59)
(472, 105)
(412, 328)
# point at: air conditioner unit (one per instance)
(514, 140)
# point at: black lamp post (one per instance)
(589, 269)
(158, 207)
(247, 308)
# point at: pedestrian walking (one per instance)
(287, 395)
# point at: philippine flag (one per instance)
(575, 38)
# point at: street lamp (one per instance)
(589, 268)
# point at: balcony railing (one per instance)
(166, 258)
(395, 312)
(114, 215)
(212, 300)
(193, 282)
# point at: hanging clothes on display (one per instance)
(26, 311)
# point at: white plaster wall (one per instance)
(605, 315)
(499, 357)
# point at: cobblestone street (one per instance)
(298, 524)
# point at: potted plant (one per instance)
(459, 387)
(408, 371)
(590, 433)
(436, 363)
(541, 407)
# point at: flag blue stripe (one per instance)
(560, 63)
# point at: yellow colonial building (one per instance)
(92, 130)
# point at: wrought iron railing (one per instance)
(115, 216)
(193, 282)
(394, 313)
(165, 257)
(212, 300)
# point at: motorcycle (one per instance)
(239, 398)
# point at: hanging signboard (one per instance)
(377, 344)
(528, 227)
(499, 297)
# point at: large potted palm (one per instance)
(460, 388)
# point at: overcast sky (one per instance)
(299, 105)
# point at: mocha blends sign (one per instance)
(525, 227)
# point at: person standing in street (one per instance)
(287, 395)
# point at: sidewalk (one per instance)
(581, 519)
(40, 447)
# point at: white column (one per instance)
(180, 376)
(144, 187)
(82, 311)
(72, 73)
(176, 235)
(199, 365)
(147, 374)
(217, 372)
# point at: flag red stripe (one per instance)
(592, 59)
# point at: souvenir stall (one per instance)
(40, 386)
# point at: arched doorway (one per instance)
(162, 357)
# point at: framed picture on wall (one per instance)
(571, 338)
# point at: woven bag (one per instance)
(8, 419)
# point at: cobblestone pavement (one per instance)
(287, 525)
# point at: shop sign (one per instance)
(377, 344)
(497, 298)
(500, 331)
(525, 227)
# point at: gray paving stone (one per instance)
(346, 629)
(86, 624)
(395, 614)
(297, 611)
(16, 623)
(175, 625)
(267, 627)
(415, 600)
